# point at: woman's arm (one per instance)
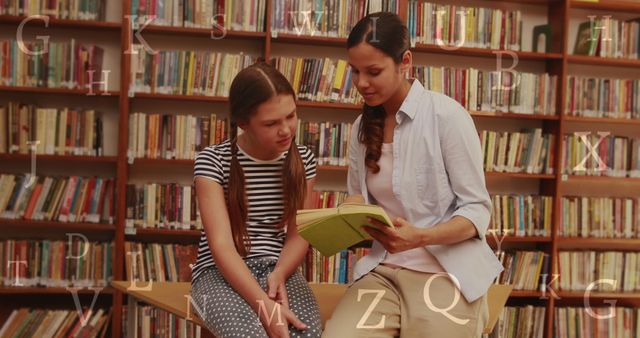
(295, 247)
(215, 219)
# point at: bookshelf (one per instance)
(559, 61)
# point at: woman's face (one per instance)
(273, 126)
(376, 76)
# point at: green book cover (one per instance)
(332, 230)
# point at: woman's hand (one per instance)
(359, 199)
(404, 236)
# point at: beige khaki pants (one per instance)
(397, 302)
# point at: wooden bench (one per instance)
(173, 298)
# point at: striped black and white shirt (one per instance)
(263, 184)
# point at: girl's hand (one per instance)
(404, 236)
(276, 318)
(276, 289)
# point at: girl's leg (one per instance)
(224, 311)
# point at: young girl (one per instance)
(245, 282)
(417, 154)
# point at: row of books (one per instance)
(164, 206)
(159, 262)
(319, 79)
(523, 269)
(492, 91)
(76, 262)
(605, 36)
(517, 322)
(327, 199)
(324, 18)
(521, 215)
(173, 136)
(328, 140)
(50, 131)
(150, 321)
(63, 199)
(606, 271)
(29, 322)
(197, 73)
(247, 15)
(66, 64)
(61, 9)
(602, 217)
(338, 268)
(529, 151)
(603, 97)
(460, 26)
(604, 322)
(598, 154)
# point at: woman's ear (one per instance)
(406, 62)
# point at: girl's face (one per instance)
(376, 76)
(273, 126)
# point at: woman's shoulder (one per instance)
(305, 151)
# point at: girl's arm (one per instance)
(295, 247)
(215, 219)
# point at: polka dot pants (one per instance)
(227, 314)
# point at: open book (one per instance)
(332, 230)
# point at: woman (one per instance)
(417, 154)
(246, 281)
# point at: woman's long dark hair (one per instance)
(386, 32)
(253, 86)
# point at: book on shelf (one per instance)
(145, 262)
(150, 321)
(199, 72)
(332, 230)
(91, 10)
(615, 156)
(162, 206)
(338, 268)
(492, 91)
(327, 140)
(524, 269)
(521, 321)
(596, 321)
(173, 136)
(319, 79)
(56, 131)
(29, 322)
(323, 18)
(521, 215)
(62, 199)
(222, 14)
(602, 97)
(54, 263)
(462, 26)
(599, 217)
(529, 151)
(66, 64)
(608, 37)
(327, 199)
(599, 271)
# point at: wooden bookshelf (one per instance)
(64, 23)
(629, 6)
(556, 62)
(601, 120)
(42, 291)
(59, 158)
(201, 32)
(602, 61)
(59, 91)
